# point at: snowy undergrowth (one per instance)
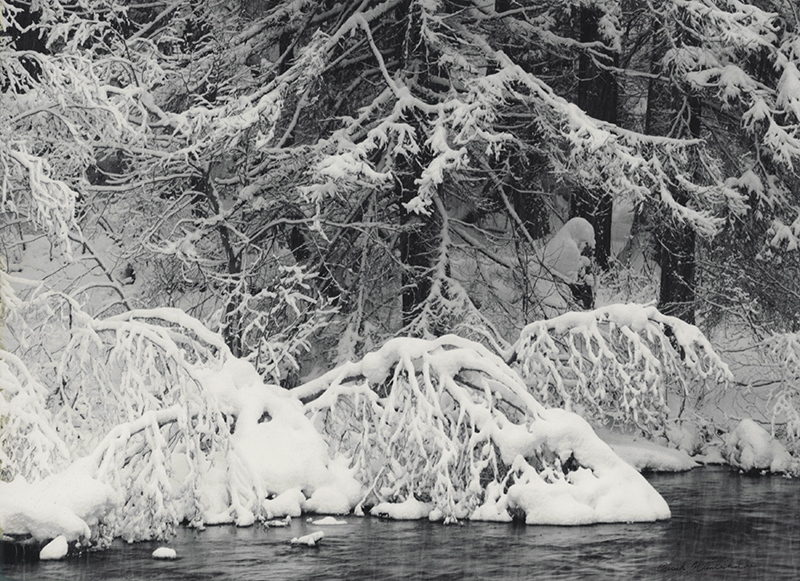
(445, 429)
(153, 411)
(782, 350)
(127, 425)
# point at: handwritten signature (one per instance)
(705, 566)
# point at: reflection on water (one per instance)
(724, 526)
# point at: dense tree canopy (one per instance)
(311, 177)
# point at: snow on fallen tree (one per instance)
(444, 428)
(617, 364)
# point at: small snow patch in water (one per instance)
(165, 553)
(311, 540)
(329, 520)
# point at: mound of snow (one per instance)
(165, 553)
(65, 504)
(288, 504)
(563, 254)
(603, 489)
(751, 447)
(645, 455)
(55, 549)
(328, 521)
(410, 509)
(279, 449)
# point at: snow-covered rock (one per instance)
(165, 553)
(311, 540)
(55, 549)
(409, 509)
(287, 504)
(751, 447)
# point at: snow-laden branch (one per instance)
(444, 429)
(782, 350)
(51, 202)
(165, 424)
(29, 443)
(617, 363)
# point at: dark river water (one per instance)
(724, 526)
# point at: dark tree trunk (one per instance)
(597, 95)
(676, 239)
(232, 331)
(677, 285)
(416, 248)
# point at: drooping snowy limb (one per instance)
(128, 375)
(622, 161)
(783, 352)
(50, 203)
(154, 405)
(617, 363)
(752, 30)
(134, 459)
(29, 443)
(444, 429)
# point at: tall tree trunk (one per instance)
(417, 248)
(597, 95)
(232, 329)
(419, 233)
(677, 240)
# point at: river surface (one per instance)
(724, 526)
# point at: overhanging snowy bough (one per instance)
(444, 429)
(617, 363)
(135, 405)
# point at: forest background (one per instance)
(311, 178)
